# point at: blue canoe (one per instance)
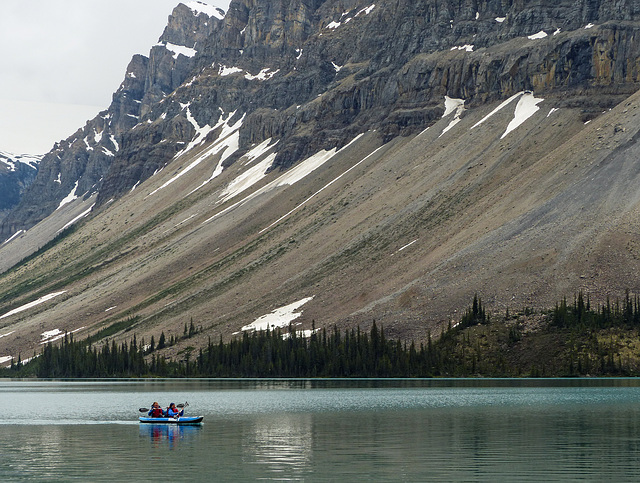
(180, 420)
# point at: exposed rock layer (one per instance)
(314, 73)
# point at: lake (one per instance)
(324, 430)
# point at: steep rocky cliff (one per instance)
(315, 73)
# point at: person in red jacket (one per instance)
(156, 411)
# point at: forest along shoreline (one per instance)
(570, 340)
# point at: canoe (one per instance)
(180, 420)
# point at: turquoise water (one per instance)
(329, 430)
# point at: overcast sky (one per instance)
(63, 59)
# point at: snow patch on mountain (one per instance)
(264, 74)
(252, 175)
(296, 208)
(540, 35)
(206, 9)
(466, 47)
(366, 11)
(178, 50)
(292, 176)
(39, 301)
(279, 318)
(14, 236)
(82, 215)
(224, 71)
(334, 24)
(70, 197)
(12, 160)
(497, 109)
(201, 132)
(227, 143)
(55, 334)
(227, 147)
(249, 178)
(527, 107)
(450, 106)
(257, 151)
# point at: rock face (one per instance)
(17, 172)
(314, 73)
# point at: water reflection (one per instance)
(168, 435)
(326, 431)
(281, 444)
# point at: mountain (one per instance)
(80, 163)
(17, 172)
(343, 160)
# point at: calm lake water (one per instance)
(328, 430)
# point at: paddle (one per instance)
(181, 405)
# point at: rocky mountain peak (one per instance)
(80, 163)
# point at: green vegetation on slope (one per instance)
(571, 340)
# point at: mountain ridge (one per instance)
(390, 177)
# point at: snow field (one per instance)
(204, 8)
(527, 106)
(452, 105)
(365, 11)
(279, 318)
(39, 301)
(227, 144)
(70, 197)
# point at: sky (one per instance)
(63, 59)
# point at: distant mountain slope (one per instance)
(17, 172)
(350, 159)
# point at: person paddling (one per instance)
(172, 411)
(156, 411)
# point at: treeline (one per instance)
(570, 343)
(82, 359)
(580, 315)
(327, 353)
(271, 353)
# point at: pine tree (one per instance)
(161, 341)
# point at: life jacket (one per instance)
(156, 412)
